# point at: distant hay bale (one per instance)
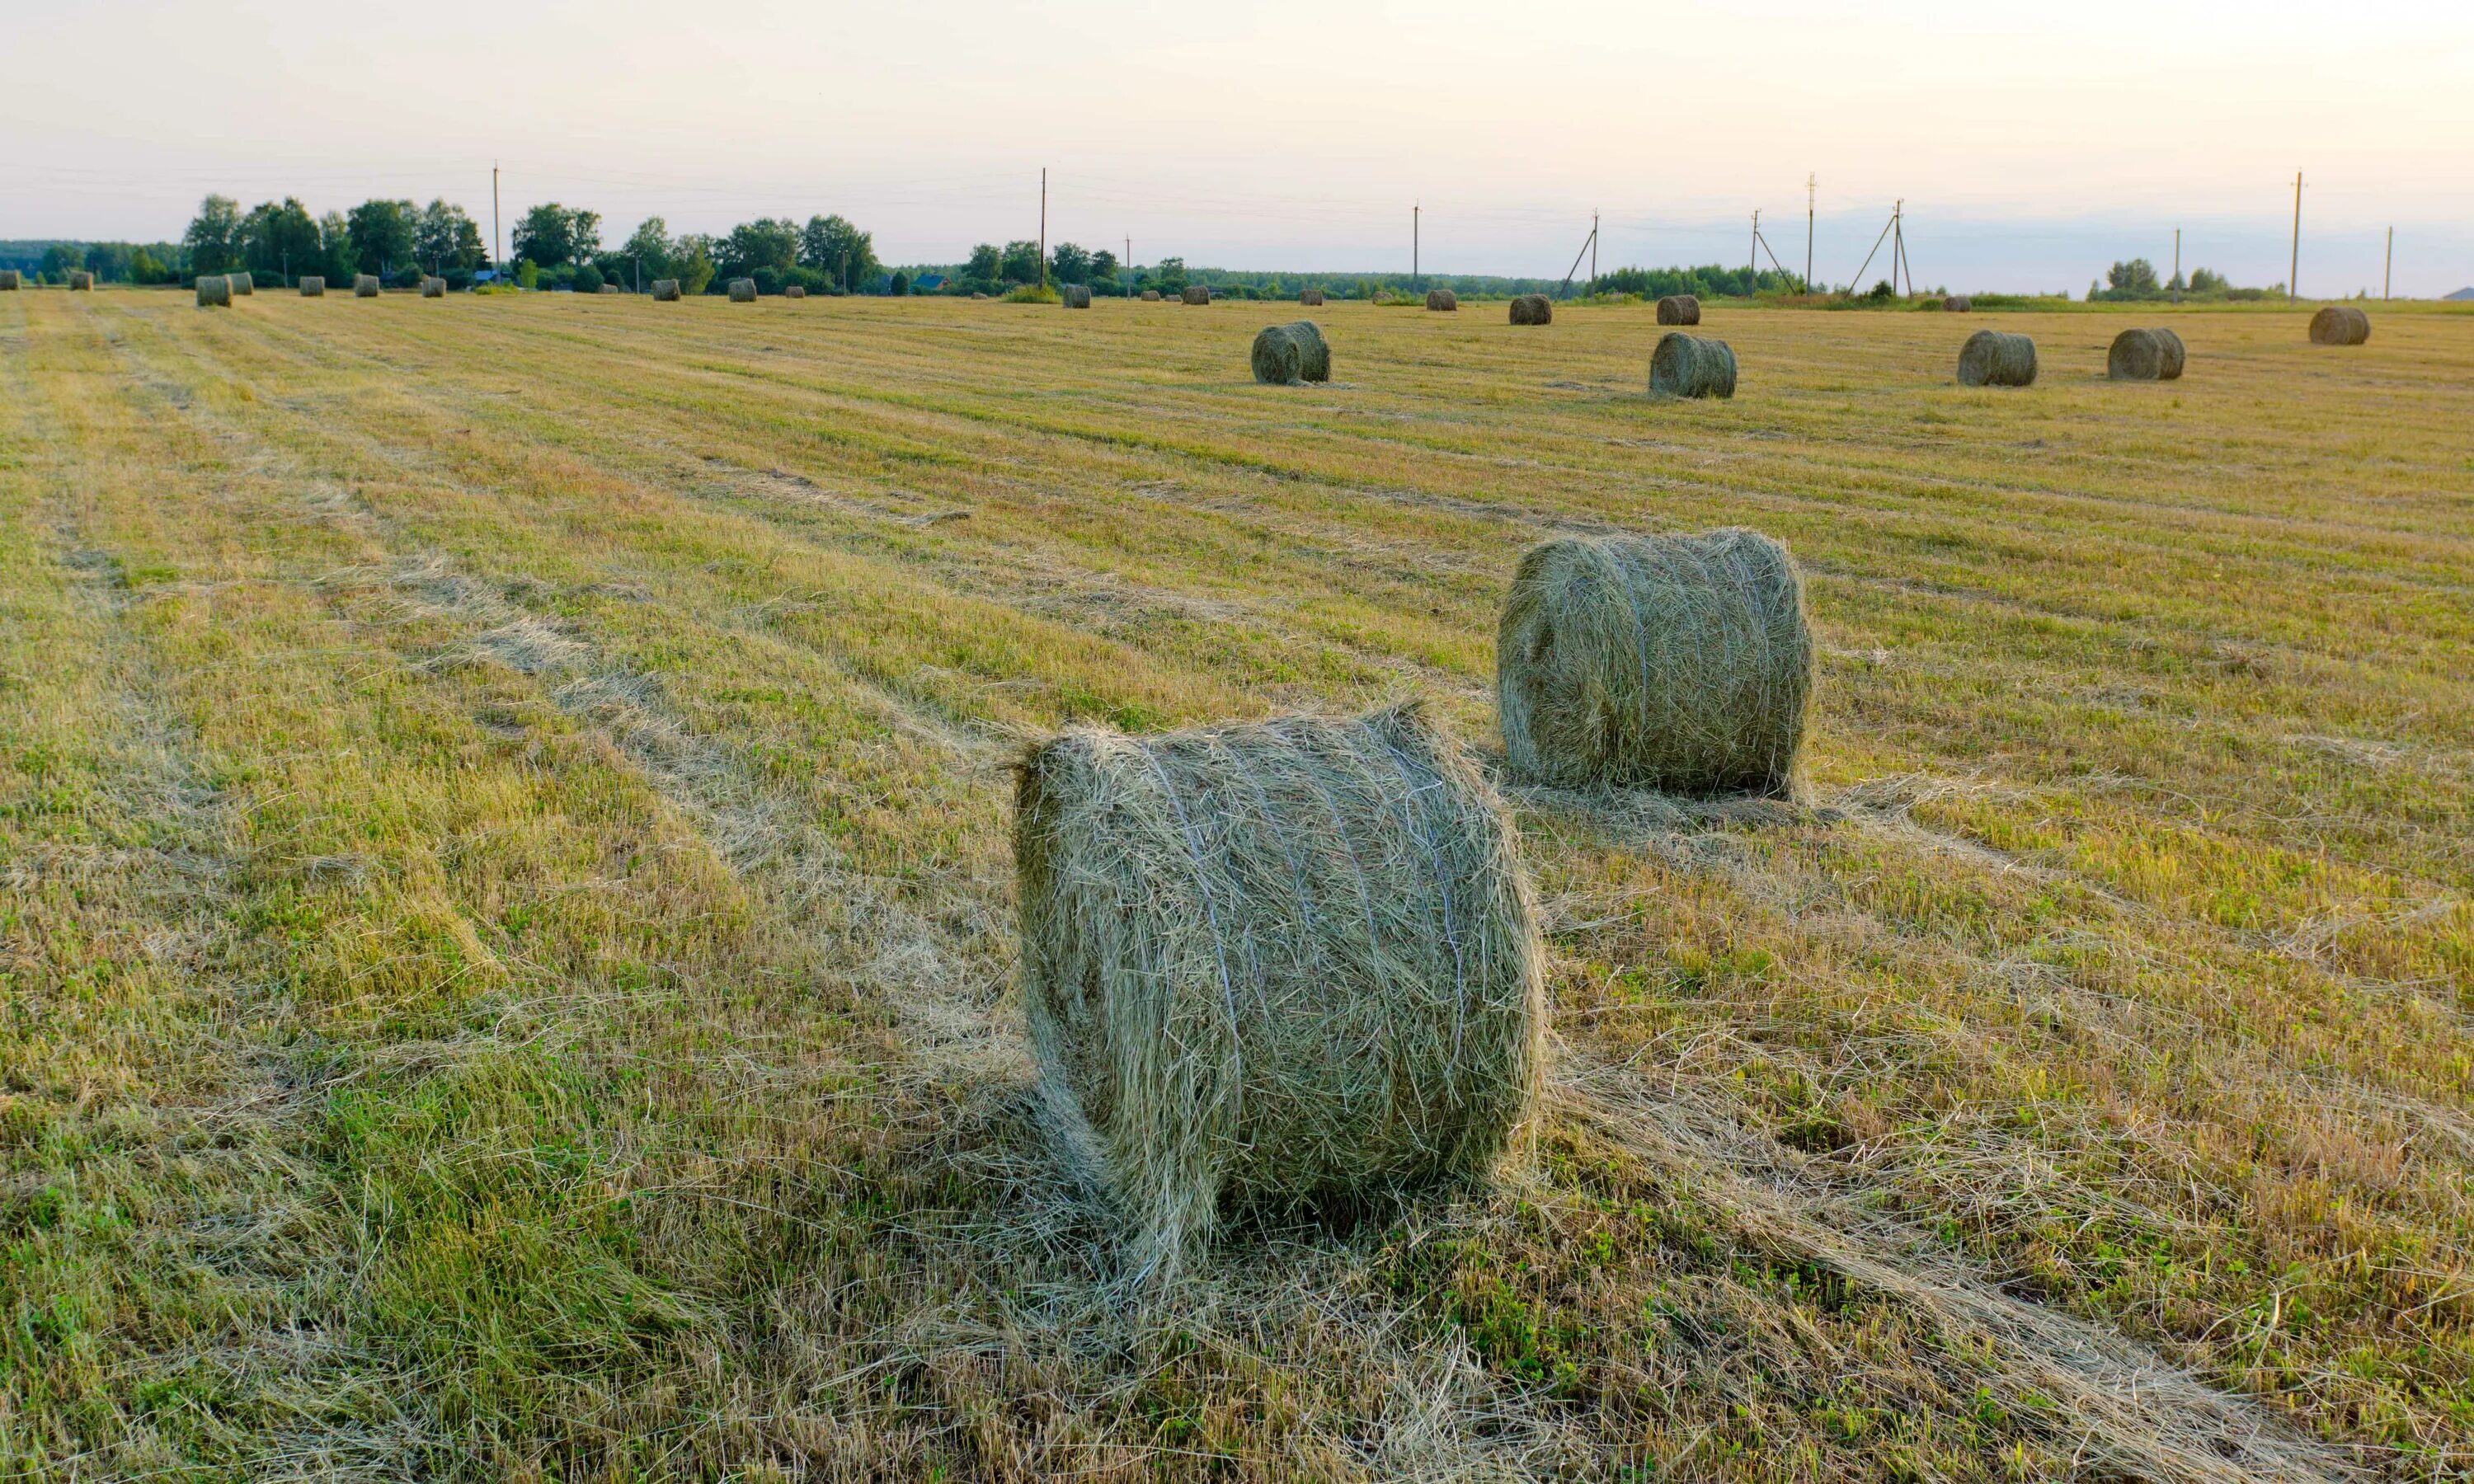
(1677, 663)
(1678, 309)
(313, 287)
(795, 291)
(1310, 299)
(2340, 324)
(665, 291)
(1286, 354)
(1151, 295)
(742, 291)
(8, 280)
(365, 286)
(1957, 303)
(978, 296)
(1991, 358)
(242, 284)
(609, 288)
(2144, 355)
(1533, 309)
(1287, 965)
(1196, 294)
(214, 291)
(1689, 365)
(1443, 300)
(80, 281)
(433, 288)
(1078, 296)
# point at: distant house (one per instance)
(2464, 293)
(926, 283)
(485, 275)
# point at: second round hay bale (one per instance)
(1151, 295)
(1443, 300)
(313, 287)
(2340, 324)
(1678, 309)
(1286, 354)
(1691, 365)
(1076, 295)
(1958, 304)
(81, 283)
(1196, 293)
(742, 291)
(665, 291)
(1310, 299)
(1991, 358)
(214, 292)
(1676, 663)
(8, 280)
(365, 286)
(2144, 355)
(1533, 309)
(795, 291)
(433, 288)
(1290, 964)
(243, 286)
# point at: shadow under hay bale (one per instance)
(1310, 299)
(243, 286)
(81, 283)
(1533, 309)
(313, 287)
(2340, 324)
(1075, 296)
(795, 291)
(433, 288)
(1151, 295)
(1443, 300)
(1196, 293)
(1991, 358)
(1678, 309)
(214, 292)
(742, 291)
(2144, 355)
(1681, 663)
(1284, 966)
(665, 291)
(365, 286)
(1958, 304)
(1287, 355)
(1689, 365)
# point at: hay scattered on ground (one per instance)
(2144, 355)
(365, 286)
(1533, 309)
(8, 280)
(742, 291)
(80, 281)
(1310, 299)
(2340, 324)
(1151, 295)
(242, 284)
(1281, 965)
(1691, 365)
(1991, 358)
(214, 291)
(1076, 295)
(1196, 294)
(313, 287)
(1958, 304)
(1443, 299)
(1678, 309)
(665, 291)
(1677, 663)
(433, 288)
(795, 291)
(1286, 354)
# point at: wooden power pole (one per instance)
(1043, 226)
(1809, 182)
(2388, 261)
(2293, 270)
(1414, 226)
(498, 243)
(2177, 265)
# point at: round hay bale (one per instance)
(1290, 964)
(978, 296)
(1533, 309)
(1991, 358)
(1078, 296)
(1689, 365)
(2340, 324)
(1310, 299)
(365, 286)
(1287, 355)
(80, 281)
(1676, 663)
(8, 280)
(609, 288)
(1196, 294)
(313, 287)
(2144, 355)
(665, 291)
(1678, 309)
(433, 288)
(243, 286)
(795, 291)
(1958, 304)
(742, 291)
(1151, 295)
(214, 291)
(1443, 300)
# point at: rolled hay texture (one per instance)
(313, 287)
(611, 288)
(242, 284)
(1284, 964)
(214, 291)
(1533, 309)
(1078, 296)
(1443, 300)
(433, 288)
(2144, 355)
(365, 286)
(1676, 663)
(81, 283)
(1991, 358)
(1678, 309)
(1958, 304)
(742, 291)
(665, 291)
(2340, 324)
(1151, 295)
(1286, 354)
(795, 291)
(1196, 294)
(1689, 365)
(8, 280)
(1310, 299)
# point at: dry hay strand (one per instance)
(365, 286)
(795, 291)
(2144, 355)
(214, 292)
(2340, 324)
(433, 288)
(1681, 663)
(1678, 309)
(1310, 299)
(742, 291)
(1991, 358)
(81, 283)
(8, 280)
(1196, 294)
(1533, 309)
(313, 287)
(665, 291)
(1076, 295)
(1287, 355)
(1689, 365)
(1443, 300)
(242, 284)
(1958, 304)
(1151, 295)
(1280, 967)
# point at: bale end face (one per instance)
(1678, 309)
(665, 291)
(1691, 365)
(2144, 355)
(1287, 355)
(1443, 300)
(1991, 358)
(1196, 293)
(214, 291)
(313, 287)
(2340, 324)
(1533, 309)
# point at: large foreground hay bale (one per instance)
(8, 280)
(1991, 358)
(2144, 355)
(742, 291)
(1151, 295)
(313, 287)
(1310, 299)
(1289, 965)
(1678, 662)
(1958, 304)
(1689, 365)
(80, 281)
(242, 284)
(1196, 294)
(1443, 300)
(665, 291)
(365, 286)
(1678, 309)
(214, 291)
(1286, 354)
(2340, 324)
(795, 291)
(1078, 296)
(1533, 309)
(433, 288)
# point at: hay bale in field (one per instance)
(242, 284)
(313, 287)
(1443, 300)
(433, 288)
(1151, 295)
(1958, 304)
(8, 280)
(214, 292)
(80, 281)
(1533, 309)
(978, 296)
(1310, 299)
(2340, 324)
(795, 291)
(1678, 309)
(1689, 365)
(1675, 663)
(2144, 355)
(1286, 354)
(1076, 295)
(1196, 294)
(365, 286)
(1991, 358)
(742, 291)
(1287, 965)
(609, 288)
(665, 291)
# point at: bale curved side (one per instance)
(8, 280)
(1678, 309)
(795, 291)
(2144, 355)
(1310, 299)
(214, 292)
(80, 281)
(1286, 354)
(742, 291)
(1691, 365)
(2340, 324)
(1078, 296)
(1151, 295)
(1533, 309)
(365, 286)
(611, 288)
(313, 287)
(433, 288)
(1958, 304)
(1443, 300)
(1287, 965)
(242, 284)
(1681, 664)
(1196, 293)
(665, 291)
(1991, 358)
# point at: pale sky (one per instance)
(2034, 143)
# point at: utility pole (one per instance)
(1043, 228)
(2294, 271)
(1593, 252)
(2388, 260)
(1898, 247)
(1414, 226)
(497, 243)
(1809, 179)
(1753, 253)
(2177, 265)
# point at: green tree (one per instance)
(691, 263)
(553, 236)
(59, 260)
(1103, 267)
(1070, 264)
(381, 233)
(1021, 263)
(213, 237)
(1167, 275)
(648, 253)
(988, 262)
(144, 269)
(2134, 279)
(335, 259)
(279, 242)
(901, 284)
(840, 251)
(2207, 280)
(446, 239)
(764, 249)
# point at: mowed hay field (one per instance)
(506, 904)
